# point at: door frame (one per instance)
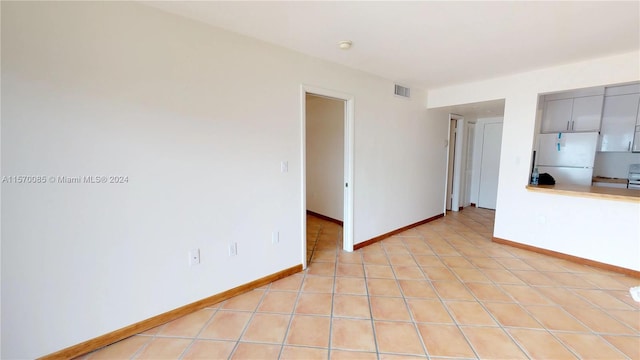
(467, 180)
(457, 163)
(349, 127)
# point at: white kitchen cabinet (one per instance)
(636, 135)
(618, 122)
(579, 114)
(557, 115)
(587, 113)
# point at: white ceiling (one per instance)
(431, 44)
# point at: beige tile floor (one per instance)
(440, 290)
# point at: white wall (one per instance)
(199, 120)
(614, 164)
(325, 156)
(597, 229)
(1, 157)
(400, 167)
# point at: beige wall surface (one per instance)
(325, 124)
(198, 120)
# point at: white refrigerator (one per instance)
(568, 157)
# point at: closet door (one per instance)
(490, 165)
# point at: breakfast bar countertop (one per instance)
(598, 192)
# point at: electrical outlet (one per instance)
(233, 249)
(275, 237)
(194, 257)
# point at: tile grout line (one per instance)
(481, 303)
(315, 243)
(520, 346)
(246, 326)
(570, 348)
(335, 274)
(562, 308)
(148, 343)
(442, 302)
(300, 290)
(141, 349)
(593, 303)
(587, 326)
(195, 338)
(366, 289)
(615, 347)
(295, 304)
(477, 300)
(404, 299)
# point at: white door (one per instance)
(489, 165)
(450, 167)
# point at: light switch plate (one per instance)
(233, 249)
(194, 257)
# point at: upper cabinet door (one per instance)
(575, 111)
(557, 116)
(587, 113)
(618, 122)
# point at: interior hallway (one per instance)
(442, 289)
(324, 239)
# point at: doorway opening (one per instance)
(454, 163)
(473, 156)
(327, 166)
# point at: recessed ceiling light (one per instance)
(345, 44)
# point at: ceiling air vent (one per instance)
(402, 91)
